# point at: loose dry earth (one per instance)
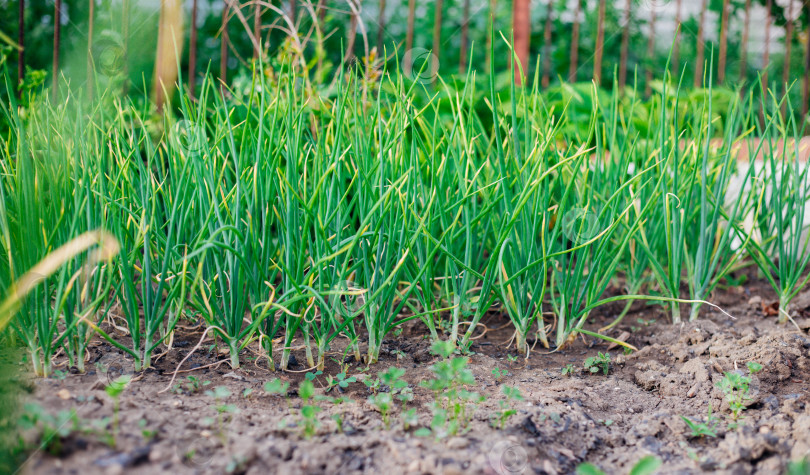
(611, 421)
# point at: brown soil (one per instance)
(611, 421)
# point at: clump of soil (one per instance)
(611, 421)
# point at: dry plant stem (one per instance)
(196, 347)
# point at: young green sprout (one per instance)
(114, 390)
(309, 412)
(735, 386)
(600, 362)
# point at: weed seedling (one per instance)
(383, 402)
(600, 362)
(338, 416)
(219, 394)
(703, 429)
(373, 385)
(392, 378)
(276, 386)
(499, 374)
(410, 418)
(191, 386)
(147, 434)
(647, 465)
(510, 394)
(450, 413)
(53, 429)
(568, 370)
(309, 412)
(735, 387)
(114, 390)
(340, 381)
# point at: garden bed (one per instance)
(610, 421)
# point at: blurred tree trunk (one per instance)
(600, 42)
(192, 51)
(257, 31)
(806, 92)
(170, 46)
(650, 54)
(409, 33)
(572, 63)
(744, 45)
(676, 48)
(90, 73)
(547, 45)
(788, 46)
(437, 32)
(57, 39)
(625, 46)
(721, 62)
(701, 46)
(352, 33)
(381, 28)
(521, 29)
(766, 51)
(490, 31)
(465, 38)
(223, 44)
(21, 44)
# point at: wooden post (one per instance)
(437, 31)
(465, 38)
(744, 45)
(57, 39)
(650, 54)
(352, 34)
(625, 46)
(192, 51)
(701, 46)
(572, 63)
(547, 45)
(721, 63)
(600, 42)
(257, 30)
(409, 33)
(788, 45)
(521, 29)
(169, 48)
